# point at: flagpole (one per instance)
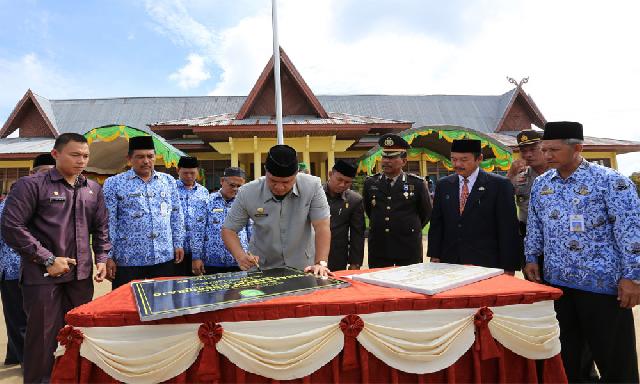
(276, 72)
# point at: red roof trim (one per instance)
(295, 75)
(533, 108)
(16, 110)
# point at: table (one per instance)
(370, 318)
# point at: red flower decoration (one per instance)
(209, 367)
(210, 333)
(485, 343)
(69, 336)
(351, 325)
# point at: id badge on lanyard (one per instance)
(576, 220)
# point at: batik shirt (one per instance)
(608, 247)
(194, 208)
(214, 253)
(9, 259)
(146, 223)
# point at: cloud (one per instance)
(29, 71)
(192, 74)
(576, 53)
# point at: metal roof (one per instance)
(481, 113)
(230, 119)
(26, 145)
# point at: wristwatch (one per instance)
(49, 262)
(322, 263)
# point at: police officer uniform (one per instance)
(398, 209)
(524, 180)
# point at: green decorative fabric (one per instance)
(502, 160)
(169, 154)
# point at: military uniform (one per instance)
(397, 213)
(347, 229)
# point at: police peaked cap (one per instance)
(559, 130)
(529, 136)
(346, 168)
(393, 145)
(141, 142)
(188, 162)
(43, 159)
(281, 161)
(466, 146)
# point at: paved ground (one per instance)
(13, 374)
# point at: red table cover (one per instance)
(118, 308)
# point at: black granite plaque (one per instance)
(158, 299)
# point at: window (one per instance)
(9, 176)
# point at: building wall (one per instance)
(518, 117)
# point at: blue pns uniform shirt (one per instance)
(214, 253)
(194, 208)
(146, 223)
(596, 255)
(9, 259)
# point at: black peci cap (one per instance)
(345, 167)
(282, 161)
(466, 146)
(43, 159)
(188, 162)
(141, 142)
(559, 130)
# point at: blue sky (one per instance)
(579, 55)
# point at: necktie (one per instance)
(464, 195)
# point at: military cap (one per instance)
(393, 145)
(188, 162)
(43, 159)
(466, 146)
(141, 142)
(560, 130)
(234, 171)
(281, 161)
(528, 136)
(346, 168)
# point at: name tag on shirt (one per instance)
(57, 199)
(576, 223)
(217, 210)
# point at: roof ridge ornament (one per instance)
(519, 84)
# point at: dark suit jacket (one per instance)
(487, 232)
(347, 229)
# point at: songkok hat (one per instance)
(188, 162)
(141, 142)
(346, 168)
(393, 145)
(466, 146)
(282, 161)
(234, 171)
(559, 130)
(528, 136)
(43, 159)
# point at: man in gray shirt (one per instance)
(287, 208)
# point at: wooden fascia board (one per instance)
(532, 106)
(293, 71)
(20, 156)
(44, 115)
(15, 112)
(251, 98)
(506, 112)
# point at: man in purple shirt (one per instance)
(52, 220)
